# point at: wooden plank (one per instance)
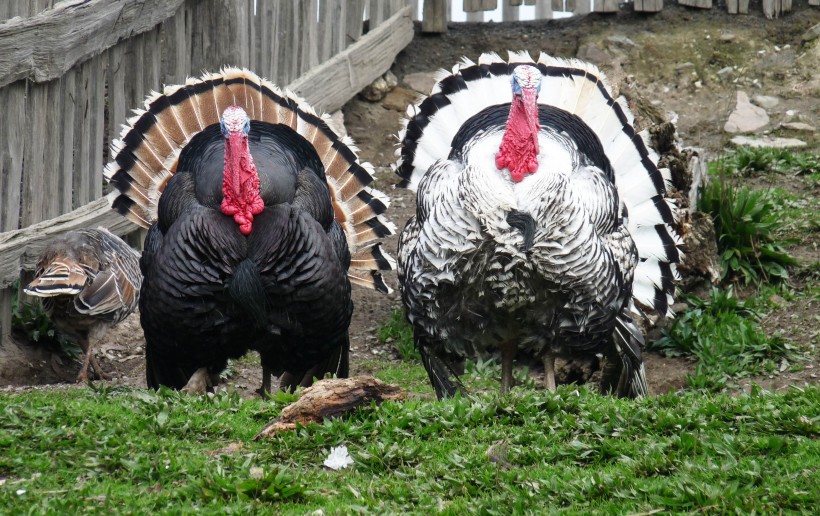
(514, 3)
(309, 38)
(434, 16)
(558, 5)
(354, 21)
(254, 37)
(606, 6)
(68, 92)
(814, 2)
(543, 10)
(475, 16)
(378, 12)
(357, 66)
(510, 11)
(96, 116)
(5, 316)
(44, 46)
(327, 11)
(580, 6)
(651, 6)
(480, 5)
(771, 8)
(13, 100)
(287, 47)
(738, 6)
(82, 137)
(56, 203)
(270, 27)
(19, 249)
(702, 4)
(34, 176)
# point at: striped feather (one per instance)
(146, 154)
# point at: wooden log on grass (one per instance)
(330, 399)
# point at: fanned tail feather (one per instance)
(146, 155)
(580, 89)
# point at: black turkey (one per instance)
(541, 221)
(89, 280)
(263, 222)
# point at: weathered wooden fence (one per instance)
(436, 13)
(71, 71)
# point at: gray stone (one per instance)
(421, 82)
(390, 79)
(725, 71)
(622, 40)
(399, 99)
(685, 67)
(767, 141)
(726, 37)
(798, 126)
(811, 34)
(377, 89)
(746, 117)
(594, 54)
(765, 101)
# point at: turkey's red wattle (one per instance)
(519, 146)
(240, 183)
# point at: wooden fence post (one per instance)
(434, 16)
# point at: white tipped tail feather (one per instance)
(146, 156)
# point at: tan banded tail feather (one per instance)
(146, 154)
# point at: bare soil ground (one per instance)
(687, 62)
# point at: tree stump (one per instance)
(329, 399)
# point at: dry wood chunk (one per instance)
(332, 398)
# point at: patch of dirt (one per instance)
(684, 61)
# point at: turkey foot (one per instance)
(198, 383)
(549, 372)
(508, 350)
(264, 390)
(90, 362)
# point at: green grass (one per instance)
(724, 334)
(756, 160)
(746, 224)
(124, 451)
(397, 331)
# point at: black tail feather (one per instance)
(336, 364)
(443, 377)
(624, 372)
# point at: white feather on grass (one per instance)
(338, 458)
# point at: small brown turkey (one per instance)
(89, 280)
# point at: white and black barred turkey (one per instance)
(260, 219)
(542, 220)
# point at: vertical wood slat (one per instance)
(606, 6)
(13, 100)
(652, 6)
(68, 92)
(738, 6)
(702, 4)
(510, 11)
(309, 45)
(378, 12)
(434, 16)
(328, 11)
(284, 48)
(271, 33)
(353, 21)
(34, 173)
(87, 181)
(581, 6)
(543, 10)
(479, 5)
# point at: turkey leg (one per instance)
(508, 351)
(549, 371)
(198, 383)
(82, 377)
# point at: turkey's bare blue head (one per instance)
(240, 180)
(519, 146)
